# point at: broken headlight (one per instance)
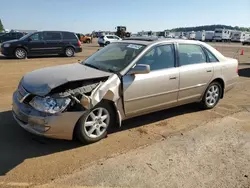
(49, 104)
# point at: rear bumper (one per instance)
(78, 49)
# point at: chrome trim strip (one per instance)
(191, 87)
(153, 95)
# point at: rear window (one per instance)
(68, 35)
(52, 36)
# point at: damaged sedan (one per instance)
(125, 79)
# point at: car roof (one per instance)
(154, 40)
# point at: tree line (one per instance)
(1, 26)
(209, 28)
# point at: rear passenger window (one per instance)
(52, 36)
(110, 37)
(67, 35)
(191, 54)
(211, 56)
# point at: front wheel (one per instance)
(20, 53)
(93, 125)
(212, 95)
(69, 52)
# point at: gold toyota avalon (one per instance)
(124, 79)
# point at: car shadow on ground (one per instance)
(245, 72)
(17, 145)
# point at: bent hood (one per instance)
(42, 81)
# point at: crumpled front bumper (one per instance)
(60, 126)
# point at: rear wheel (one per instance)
(69, 52)
(88, 41)
(212, 95)
(107, 43)
(94, 124)
(20, 53)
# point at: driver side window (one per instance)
(160, 57)
(36, 37)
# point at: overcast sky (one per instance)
(86, 16)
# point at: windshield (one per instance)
(114, 57)
(26, 36)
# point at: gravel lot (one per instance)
(28, 160)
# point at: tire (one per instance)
(107, 43)
(87, 132)
(88, 41)
(69, 52)
(212, 95)
(20, 53)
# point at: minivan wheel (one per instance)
(212, 95)
(20, 53)
(94, 124)
(69, 52)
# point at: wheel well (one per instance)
(69, 47)
(221, 82)
(20, 47)
(111, 103)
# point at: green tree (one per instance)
(1, 26)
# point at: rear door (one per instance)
(53, 42)
(195, 72)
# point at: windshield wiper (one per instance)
(92, 66)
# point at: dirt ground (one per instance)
(27, 160)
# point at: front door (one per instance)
(195, 72)
(53, 42)
(36, 43)
(144, 93)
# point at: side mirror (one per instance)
(29, 39)
(140, 69)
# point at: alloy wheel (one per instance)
(212, 95)
(96, 122)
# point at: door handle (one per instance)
(209, 70)
(172, 77)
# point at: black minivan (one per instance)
(43, 42)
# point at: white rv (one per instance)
(191, 35)
(222, 35)
(209, 36)
(239, 36)
(200, 35)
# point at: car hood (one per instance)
(9, 41)
(40, 82)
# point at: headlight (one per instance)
(6, 45)
(49, 104)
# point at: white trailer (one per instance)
(238, 36)
(222, 35)
(191, 35)
(200, 35)
(209, 36)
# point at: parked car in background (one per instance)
(43, 42)
(107, 39)
(246, 42)
(10, 36)
(125, 79)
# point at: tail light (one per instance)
(79, 43)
